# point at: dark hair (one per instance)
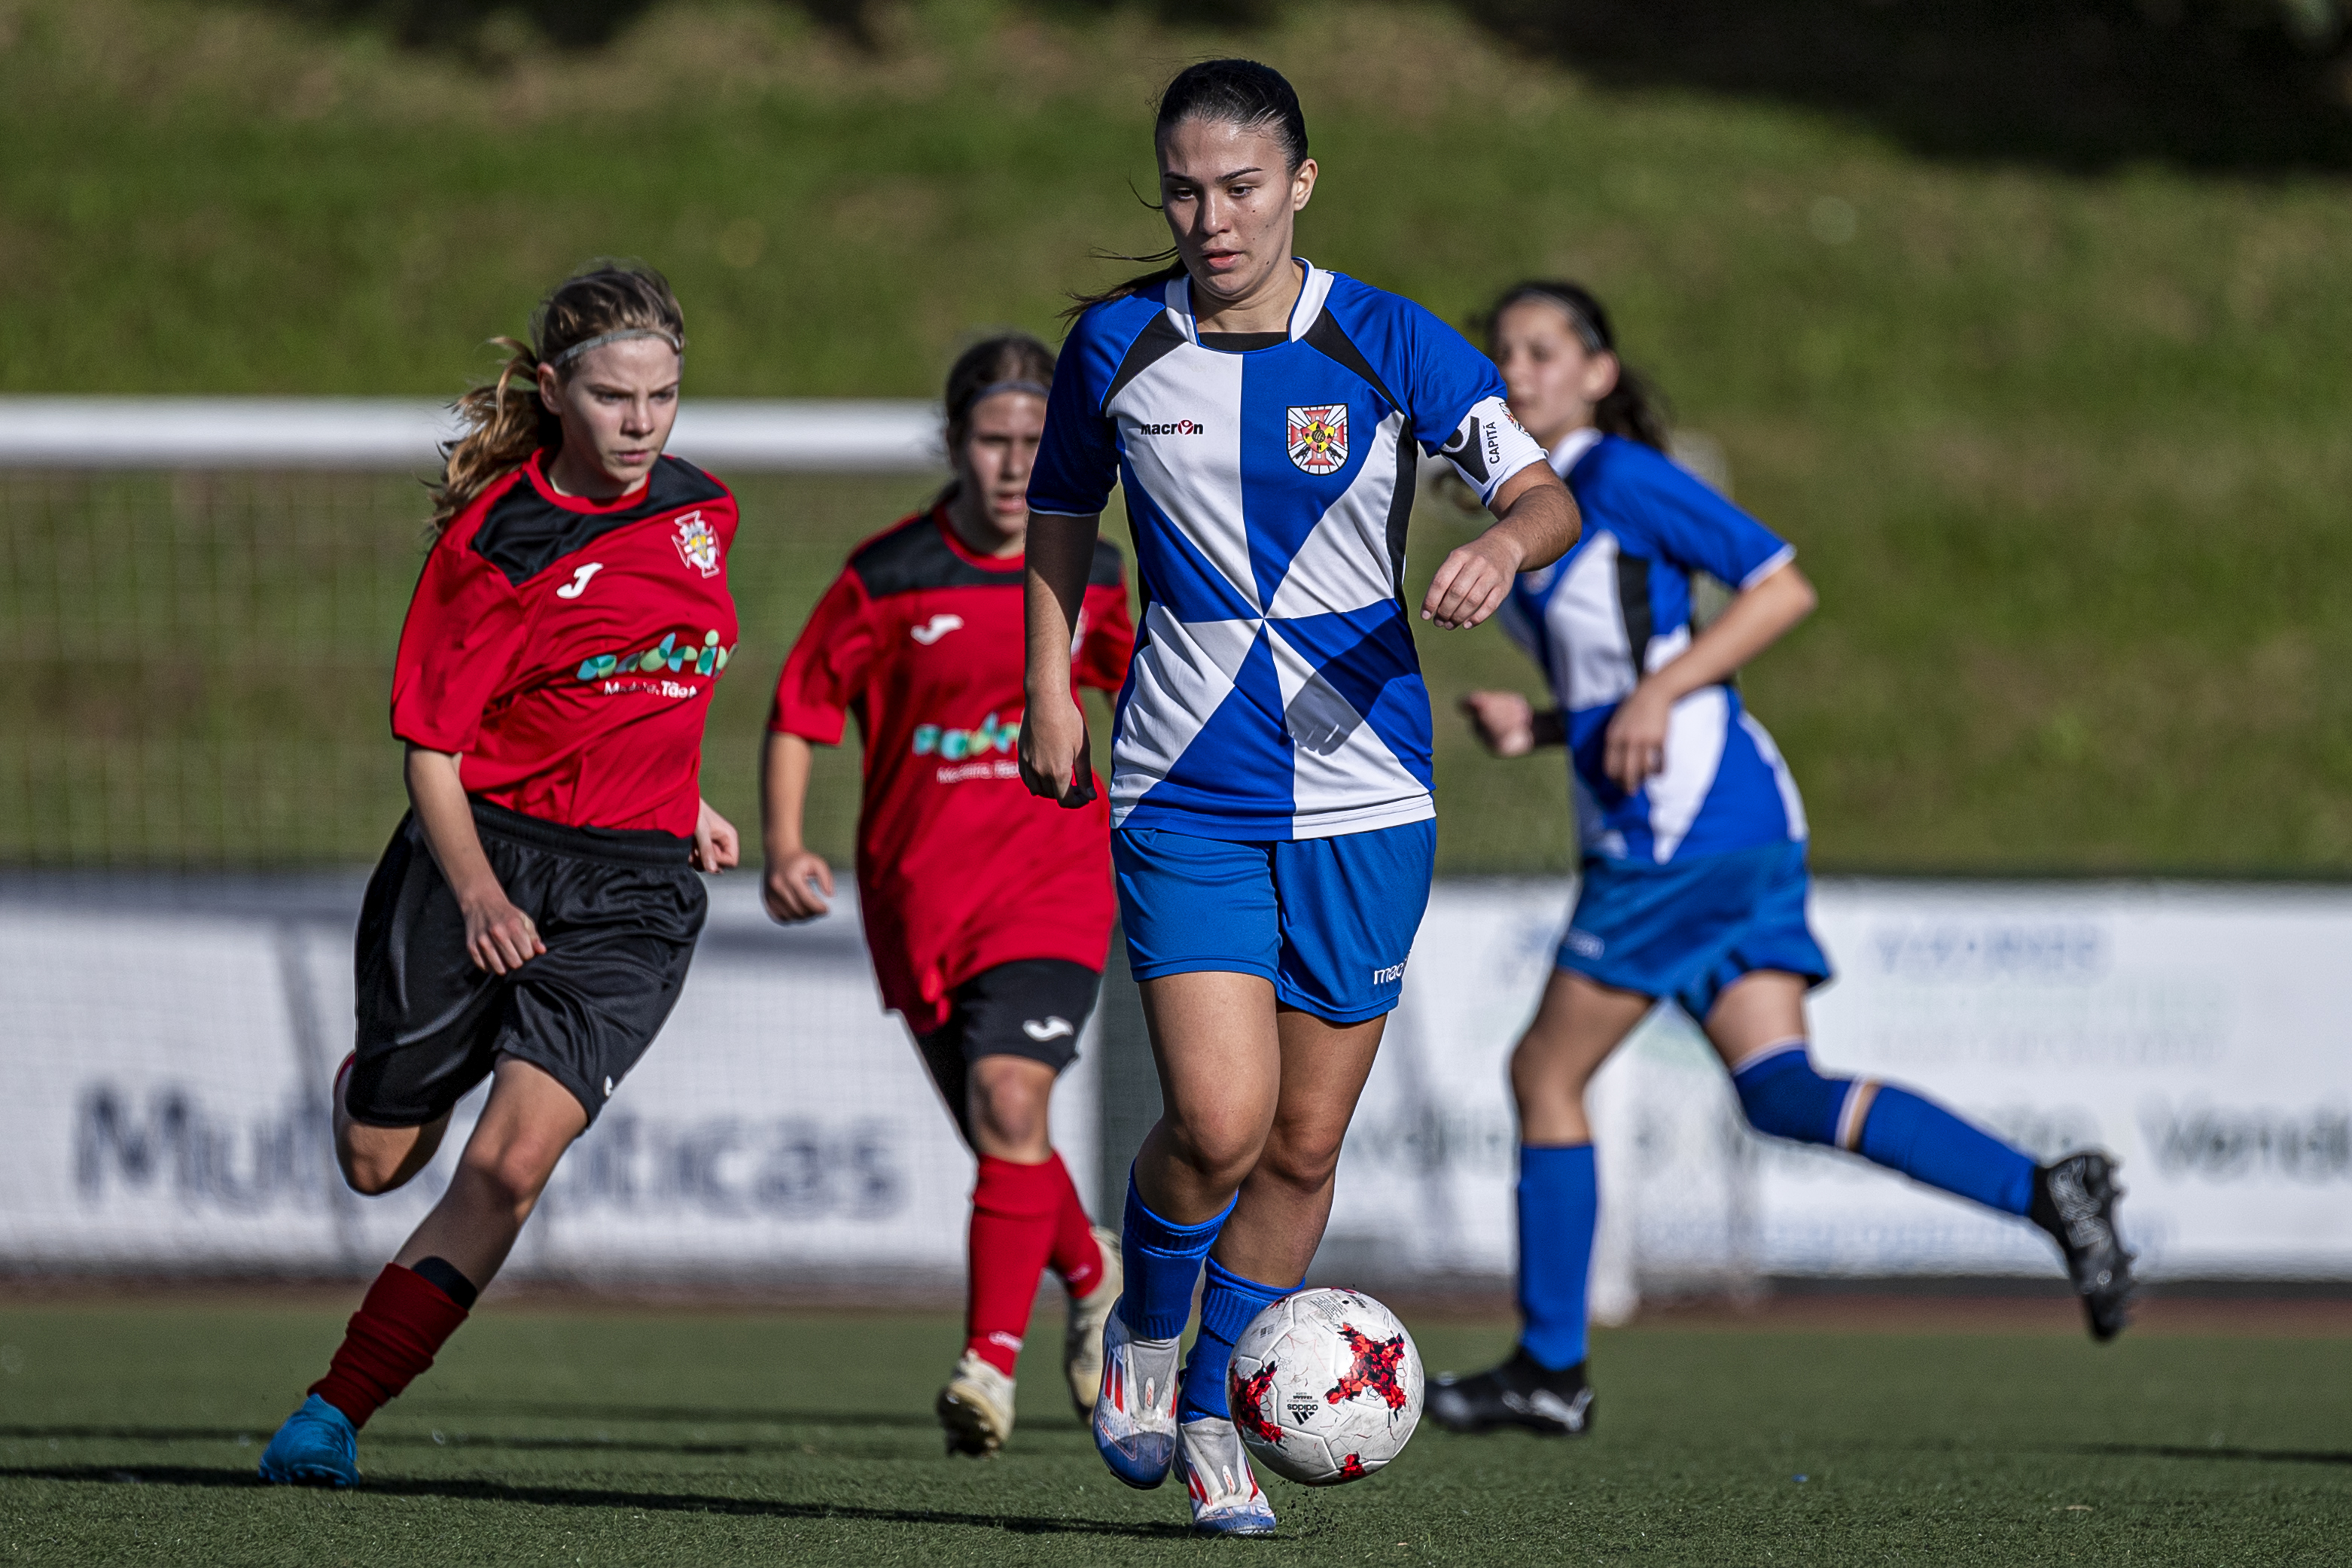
(1008, 361)
(1634, 408)
(503, 425)
(1224, 92)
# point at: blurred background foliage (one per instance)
(2026, 322)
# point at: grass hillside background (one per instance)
(2062, 441)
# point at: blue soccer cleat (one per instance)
(1135, 1414)
(317, 1447)
(1225, 1493)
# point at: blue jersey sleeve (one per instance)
(1077, 456)
(1452, 394)
(1690, 524)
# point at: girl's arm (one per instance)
(1757, 617)
(1053, 760)
(1535, 522)
(498, 936)
(717, 845)
(784, 796)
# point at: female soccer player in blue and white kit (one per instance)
(1270, 794)
(1694, 879)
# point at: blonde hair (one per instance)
(503, 424)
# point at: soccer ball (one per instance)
(1325, 1386)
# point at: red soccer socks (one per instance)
(398, 1329)
(1014, 1211)
(1078, 1256)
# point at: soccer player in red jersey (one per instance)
(988, 911)
(533, 919)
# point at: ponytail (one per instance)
(1633, 410)
(504, 425)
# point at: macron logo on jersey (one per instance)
(936, 628)
(579, 584)
(1174, 428)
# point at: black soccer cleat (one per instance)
(2075, 1200)
(1522, 1392)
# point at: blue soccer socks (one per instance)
(1559, 1203)
(1163, 1263)
(1784, 1096)
(1927, 1143)
(1226, 1308)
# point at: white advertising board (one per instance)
(168, 1073)
(2195, 1032)
(167, 1067)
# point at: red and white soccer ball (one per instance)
(1326, 1386)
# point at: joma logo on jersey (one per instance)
(697, 544)
(955, 745)
(1319, 438)
(1174, 428)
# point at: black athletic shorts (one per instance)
(1031, 1006)
(619, 913)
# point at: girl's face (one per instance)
(999, 447)
(617, 405)
(1232, 202)
(1554, 381)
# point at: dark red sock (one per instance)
(1077, 1256)
(1014, 1210)
(398, 1329)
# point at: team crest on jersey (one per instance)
(697, 544)
(1319, 438)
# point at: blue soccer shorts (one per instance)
(1689, 928)
(1329, 922)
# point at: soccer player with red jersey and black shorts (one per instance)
(988, 911)
(533, 919)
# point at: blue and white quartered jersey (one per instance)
(1623, 595)
(1275, 693)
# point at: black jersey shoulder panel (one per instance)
(1152, 345)
(1110, 569)
(525, 532)
(1329, 339)
(913, 555)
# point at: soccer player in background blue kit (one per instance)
(1694, 879)
(1273, 831)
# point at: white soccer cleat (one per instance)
(1225, 1494)
(976, 1408)
(1135, 1414)
(1082, 1339)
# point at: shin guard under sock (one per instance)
(400, 1327)
(1559, 1204)
(1077, 1256)
(1163, 1259)
(1227, 1305)
(1013, 1208)
(1783, 1095)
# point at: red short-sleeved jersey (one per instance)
(958, 867)
(566, 649)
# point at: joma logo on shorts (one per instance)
(1393, 972)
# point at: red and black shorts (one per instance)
(1036, 1008)
(619, 912)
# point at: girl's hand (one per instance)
(786, 888)
(1504, 722)
(498, 936)
(1472, 582)
(717, 845)
(1635, 746)
(1053, 760)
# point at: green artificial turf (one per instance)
(2065, 451)
(128, 1435)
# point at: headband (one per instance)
(573, 352)
(1035, 389)
(1586, 333)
